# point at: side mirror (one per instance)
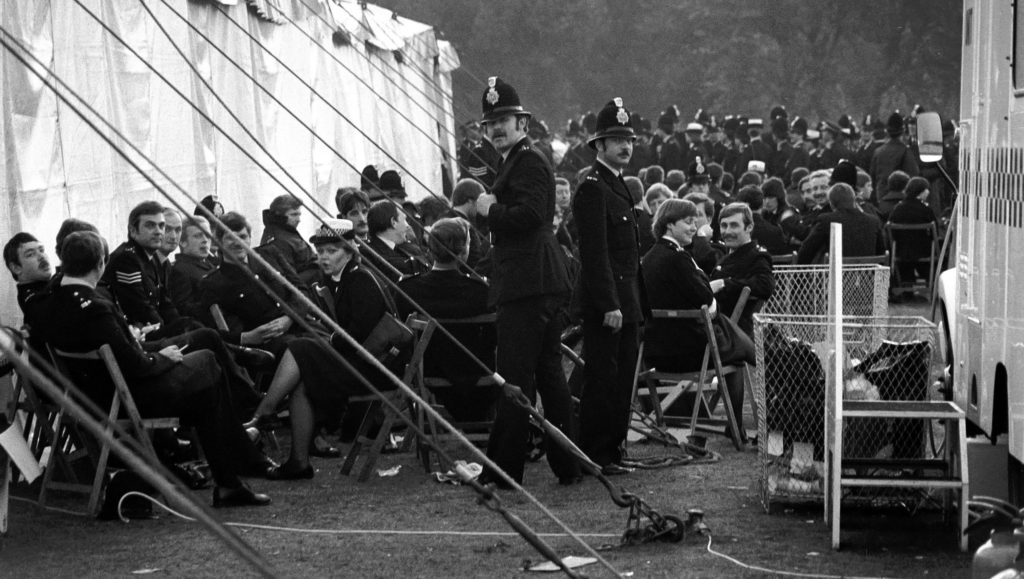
(929, 137)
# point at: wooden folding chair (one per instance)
(374, 406)
(476, 431)
(122, 401)
(36, 414)
(664, 388)
(882, 259)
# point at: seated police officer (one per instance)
(189, 385)
(255, 318)
(446, 292)
(309, 375)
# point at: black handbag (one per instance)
(734, 345)
(390, 338)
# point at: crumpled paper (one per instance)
(470, 469)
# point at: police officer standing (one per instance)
(609, 292)
(529, 284)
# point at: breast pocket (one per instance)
(621, 230)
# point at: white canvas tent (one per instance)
(55, 167)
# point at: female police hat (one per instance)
(333, 231)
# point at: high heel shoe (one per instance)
(263, 422)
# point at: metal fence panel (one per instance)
(888, 358)
(803, 290)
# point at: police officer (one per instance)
(746, 265)
(530, 286)
(609, 291)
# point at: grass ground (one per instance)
(366, 522)
(409, 526)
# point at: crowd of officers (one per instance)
(624, 221)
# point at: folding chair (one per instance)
(931, 260)
(375, 405)
(36, 414)
(673, 385)
(427, 383)
(882, 259)
(121, 401)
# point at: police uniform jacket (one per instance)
(888, 202)
(718, 151)
(244, 303)
(433, 291)
(78, 319)
(478, 244)
(705, 252)
(482, 163)
(406, 258)
(528, 261)
(780, 159)
(289, 243)
(891, 156)
(674, 282)
(830, 156)
(862, 235)
(139, 284)
(32, 297)
(769, 236)
(912, 244)
(797, 158)
(608, 248)
(746, 266)
(356, 300)
(670, 156)
(183, 280)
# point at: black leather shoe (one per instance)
(263, 423)
(323, 450)
(613, 469)
(253, 358)
(242, 496)
(288, 471)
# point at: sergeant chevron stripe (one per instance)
(129, 278)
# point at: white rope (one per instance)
(431, 533)
(778, 572)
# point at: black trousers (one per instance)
(608, 388)
(528, 356)
(196, 391)
(243, 397)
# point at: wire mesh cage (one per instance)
(803, 290)
(888, 358)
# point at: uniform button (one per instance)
(241, 296)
